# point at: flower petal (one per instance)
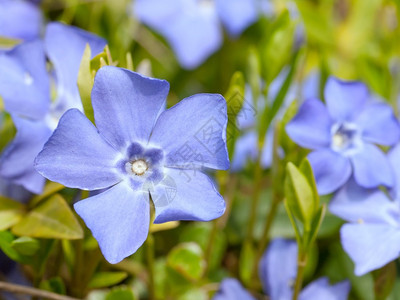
(19, 19)
(384, 129)
(370, 246)
(126, 105)
(345, 99)
(331, 170)
(231, 289)
(16, 163)
(354, 203)
(245, 149)
(311, 127)
(77, 156)
(372, 167)
(194, 34)
(119, 219)
(186, 195)
(65, 46)
(193, 133)
(237, 15)
(321, 289)
(394, 159)
(24, 83)
(278, 268)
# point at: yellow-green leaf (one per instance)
(11, 212)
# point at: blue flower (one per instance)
(19, 19)
(372, 236)
(192, 27)
(25, 89)
(342, 135)
(139, 150)
(278, 271)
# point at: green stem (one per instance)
(301, 264)
(150, 264)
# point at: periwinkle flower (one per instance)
(192, 27)
(278, 271)
(19, 19)
(372, 236)
(139, 150)
(25, 89)
(342, 135)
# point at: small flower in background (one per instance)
(342, 135)
(139, 150)
(278, 270)
(372, 236)
(192, 27)
(20, 19)
(25, 89)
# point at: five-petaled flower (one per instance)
(134, 154)
(342, 135)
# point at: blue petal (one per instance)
(384, 129)
(278, 268)
(344, 99)
(245, 149)
(126, 105)
(311, 127)
(16, 163)
(65, 46)
(193, 133)
(370, 246)
(310, 85)
(394, 159)
(320, 289)
(237, 15)
(267, 151)
(372, 167)
(194, 34)
(354, 203)
(119, 219)
(231, 289)
(186, 195)
(19, 19)
(24, 83)
(13, 191)
(77, 156)
(331, 170)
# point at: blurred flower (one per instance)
(372, 238)
(192, 27)
(25, 89)
(139, 150)
(342, 134)
(19, 19)
(278, 271)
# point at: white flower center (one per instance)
(139, 167)
(345, 138)
(28, 79)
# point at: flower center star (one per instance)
(139, 167)
(345, 138)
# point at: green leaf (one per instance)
(55, 285)
(49, 189)
(6, 42)
(384, 279)
(26, 245)
(194, 293)
(187, 259)
(120, 293)
(6, 239)
(299, 195)
(293, 222)
(85, 83)
(306, 169)
(53, 218)
(254, 72)
(11, 212)
(106, 279)
(316, 224)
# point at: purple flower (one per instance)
(192, 27)
(19, 19)
(139, 150)
(342, 135)
(372, 236)
(25, 89)
(278, 271)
